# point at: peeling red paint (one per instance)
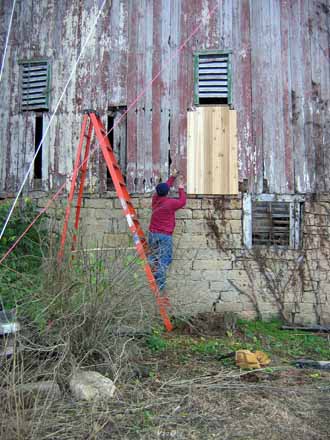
(279, 50)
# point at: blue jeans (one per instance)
(160, 246)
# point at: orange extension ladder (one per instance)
(92, 121)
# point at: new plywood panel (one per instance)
(212, 151)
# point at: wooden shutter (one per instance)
(212, 151)
(271, 223)
(213, 76)
(34, 85)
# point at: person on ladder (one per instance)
(162, 225)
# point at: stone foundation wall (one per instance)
(212, 270)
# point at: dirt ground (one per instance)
(178, 393)
(201, 399)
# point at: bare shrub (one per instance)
(88, 312)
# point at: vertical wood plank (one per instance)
(266, 89)
(131, 95)
(309, 153)
(156, 91)
(147, 134)
(175, 41)
(216, 169)
(165, 99)
(279, 180)
(286, 93)
(185, 93)
(297, 68)
(225, 150)
(319, 124)
(140, 11)
(242, 91)
(258, 71)
(233, 181)
(207, 144)
(190, 155)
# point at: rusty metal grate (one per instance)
(35, 85)
(271, 223)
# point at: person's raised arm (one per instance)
(181, 201)
(171, 180)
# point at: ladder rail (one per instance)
(139, 238)
(82, 183)
(72, 188)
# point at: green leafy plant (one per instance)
(19, 270)
(156, 343)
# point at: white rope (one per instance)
(51, 119)
(7, 40)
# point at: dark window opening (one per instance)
(110, 123)
(211, 101)
(169, 162)
(117, 135)
(271, 223)
(169, 146)
(37, 172)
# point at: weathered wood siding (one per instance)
(281, 85)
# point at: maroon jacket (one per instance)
(163, 211)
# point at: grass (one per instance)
(285, 344)
(281, 345)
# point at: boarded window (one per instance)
(271, 223)
(35, 78)
(272, 220)
(212, 78)
(212, 151)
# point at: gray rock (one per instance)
(91, 385)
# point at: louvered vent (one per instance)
(271, 223)
(213, 78)
(34, 85)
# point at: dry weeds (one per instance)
(160, 396)
(165, 399)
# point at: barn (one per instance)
(233, 93)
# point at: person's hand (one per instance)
(180, 182)
(175, 172)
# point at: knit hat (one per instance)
(162, 189)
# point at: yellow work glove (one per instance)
(248, 359)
